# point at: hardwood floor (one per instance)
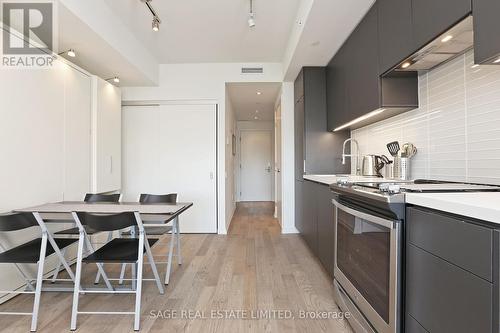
(225, 281)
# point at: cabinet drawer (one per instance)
(464, 244)
(445, 298)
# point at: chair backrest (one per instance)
(90, 197)
(158, 198)
(17, 221)
(107, 222)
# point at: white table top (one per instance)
(107, 208)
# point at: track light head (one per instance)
(71, 53)
(251, 20)
(156, 24)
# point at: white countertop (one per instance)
(479, 205)
(332, 179)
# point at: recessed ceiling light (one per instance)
(70, 53)
(496, 61)
(259, 93)
(255, 117)
(406, 64)
(256, 111)
(447, 38)
(116, 79)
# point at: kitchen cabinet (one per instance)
(355, 87)
(363, 77)
(449, 282)
(299, 204)
(310, 215)
(486, 30)
(315, 220)
(106, 136)
(317, 151)
(431, 18)
(395, 32)
(326, 227)
(299, 138)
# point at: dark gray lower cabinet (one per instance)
(299, 206)
(310, 215)
(449, 265)
(326, 228)
(314, 218)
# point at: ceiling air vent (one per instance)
(252, 70)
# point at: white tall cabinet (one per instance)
(106, 136)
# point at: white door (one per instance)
(256, 166)
(172, 148)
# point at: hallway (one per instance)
(233, 283)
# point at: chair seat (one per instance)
(29, 253)
(120, 250)
(153, 231)
(76, 231)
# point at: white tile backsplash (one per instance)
(456, 128)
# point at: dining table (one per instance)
(152, 215)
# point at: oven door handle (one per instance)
(370, 218)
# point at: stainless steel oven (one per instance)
(367, 266)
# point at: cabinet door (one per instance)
(310, 216)
(363, 82)
(326, 228)
(433, 17)
(299, 139)
(445, 298)
(336, 89)
(395, 36)
(299, 204)
(486, 30)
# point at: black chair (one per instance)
(173, 229)
(32, 252)
(73, 232)
(118, 250)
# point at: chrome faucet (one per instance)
(351, 155)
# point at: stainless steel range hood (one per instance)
(452, 43)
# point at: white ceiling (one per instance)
(211, 31)
(246, 101)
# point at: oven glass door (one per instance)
(364, 257)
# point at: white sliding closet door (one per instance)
(172, 148)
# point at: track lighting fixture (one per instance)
(115, 79)
(251, 16)
(156, 19)
(70, 53)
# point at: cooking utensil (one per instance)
(393, 148)
(372, 164)
(402, 168)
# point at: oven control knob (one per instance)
(383, 187)
(394, 188)
(343, 181)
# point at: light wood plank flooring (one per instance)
(254, 268)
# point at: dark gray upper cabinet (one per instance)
(433, 17)
(354, 85)
(395, 32)
(363, 79)
(299, 138)
(486, 30)
(317, 151)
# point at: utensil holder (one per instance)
(402, 168)
(389, 171)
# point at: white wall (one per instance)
(288, 158)
(195, 82)
(456, 128)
